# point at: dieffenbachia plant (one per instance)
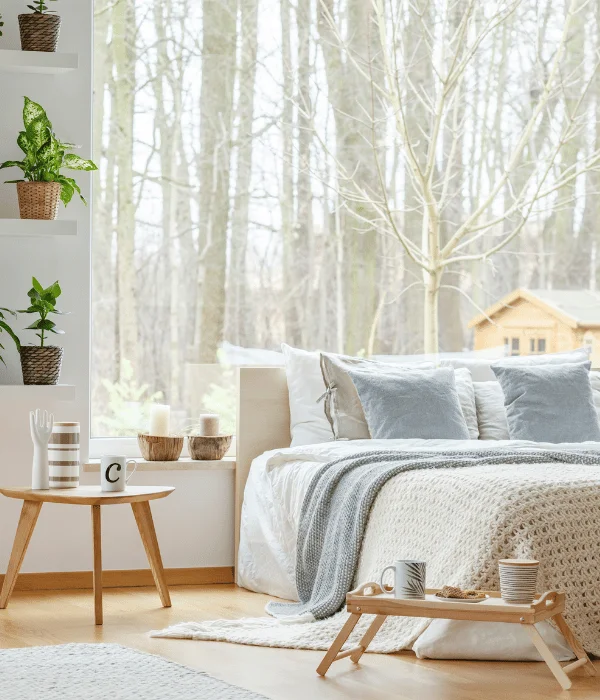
(46, 155)
(4, 327)
(43, 302)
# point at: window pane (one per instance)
(255, 186)
(542, 345)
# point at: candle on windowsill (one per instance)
(208, 425)
(160, 415)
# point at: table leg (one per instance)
(548, 657)
(338, 643)
(145, 523)
(574, 643)
(97, 537)
(27, 521)
(368, 637)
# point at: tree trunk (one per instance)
(431, 312)
(124, 51)
(239, 303)
(216, 103)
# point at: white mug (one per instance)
(113, 472)
(409, 579)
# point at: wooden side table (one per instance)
(550, 605)
(138, 496)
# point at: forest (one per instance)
(358, 176)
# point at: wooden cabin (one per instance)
(535, 321)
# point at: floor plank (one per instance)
(58, 617)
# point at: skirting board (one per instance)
(65, 580)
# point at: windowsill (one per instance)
(183, 464)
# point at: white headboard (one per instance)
(263, 423)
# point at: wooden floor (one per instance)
(58, 617)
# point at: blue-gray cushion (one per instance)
(549, 403)
(411, 404)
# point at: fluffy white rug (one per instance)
(102, 671)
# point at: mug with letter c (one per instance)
(113, 472)
(409, 579)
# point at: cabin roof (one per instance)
(574, 307)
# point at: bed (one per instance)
(521, 509)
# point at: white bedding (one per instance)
(273, 500)
(275, 491)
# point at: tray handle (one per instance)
(371, 586)
(548, 600)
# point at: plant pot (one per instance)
(39, 32)
(209, 447)
(41, 365)
(38, 200)
(155, 448)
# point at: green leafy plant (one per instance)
(1, 23)
(45, 154)
(41, 7)
(6, 328)
(43, 302)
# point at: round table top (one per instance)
(89, 495)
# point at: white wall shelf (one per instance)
(37, 392)
(12, 61)
(16, 228)
(183, 464)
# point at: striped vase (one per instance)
(63, 456)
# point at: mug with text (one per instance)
(113, 472)
(409, 579)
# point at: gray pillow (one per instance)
(411, 404)
(549, 403)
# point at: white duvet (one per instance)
(273, 499)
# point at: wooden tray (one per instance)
(371, 599)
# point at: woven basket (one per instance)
(41, 365)
(39, 32)
(38, 200)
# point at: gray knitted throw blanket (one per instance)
(336, 509)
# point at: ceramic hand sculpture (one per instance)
(41, 429)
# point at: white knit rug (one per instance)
(103, 672)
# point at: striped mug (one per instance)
(63, 456)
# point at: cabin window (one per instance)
(532, 345)
(541, 344)
(514, 347)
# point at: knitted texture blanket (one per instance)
(460, 512)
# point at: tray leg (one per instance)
(368, 637)
(573, 642)
(548, 657)
(338, 643)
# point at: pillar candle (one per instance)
(159, 420)
(209, 424)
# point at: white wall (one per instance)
(195, 524)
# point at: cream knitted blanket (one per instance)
(461, 521)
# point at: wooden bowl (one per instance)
(160, 449)
(209, 448)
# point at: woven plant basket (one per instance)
(38, 200)
(41, 365)
(39, 32)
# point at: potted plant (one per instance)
(41, 364)
(1, 23)
(4, 327)
(39, 28)
(43, 183)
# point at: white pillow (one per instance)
(487, 641)
(491, 414)
(481, 370)
(308, 423)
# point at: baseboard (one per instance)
(64, 580)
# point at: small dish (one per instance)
(462, 600)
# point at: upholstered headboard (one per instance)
(263, 423)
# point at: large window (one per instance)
(316, 173)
